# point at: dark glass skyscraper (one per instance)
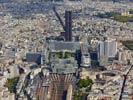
(68, 26)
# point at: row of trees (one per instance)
(128, 44)
(116, 16)
(65, 55)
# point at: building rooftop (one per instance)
(64, 66)
(60, 46)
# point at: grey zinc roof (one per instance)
(65, 66)
(60, 45)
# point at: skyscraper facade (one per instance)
(106, 49)
(68, 25)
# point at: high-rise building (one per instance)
(112, 48)
(106, 49)
(102, 53)
(85, 60)
(68, 25)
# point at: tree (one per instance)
(11, 84)
(84, 83)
